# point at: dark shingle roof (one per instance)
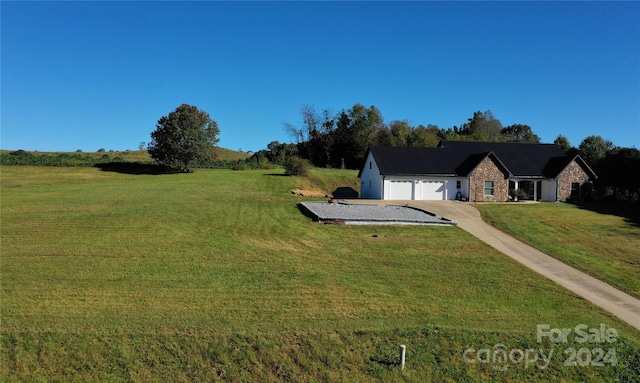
(461, 157)
(471, 162)
(402, 160)
(557, 164)
(521, 159)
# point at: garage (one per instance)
(400, 190)
(432, 190)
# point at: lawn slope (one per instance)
(216, 275)
(604, 243)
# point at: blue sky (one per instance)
(90, 75)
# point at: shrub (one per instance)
(522, 194)
(296, 166)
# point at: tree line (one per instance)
(24, 158)
(341, 140)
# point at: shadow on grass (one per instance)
(307, 213)
(380, 363)
(630, 213)
(136, 168)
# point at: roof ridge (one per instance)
(498, 142)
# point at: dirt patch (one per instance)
(310, 193)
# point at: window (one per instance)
(575, 189)
(488, 187)
(369, 184)
(458, 186)
(369, 164)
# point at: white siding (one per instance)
(370, 180)
(452, 189)
(549, 187)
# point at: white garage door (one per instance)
(432, 190)
(400, 190)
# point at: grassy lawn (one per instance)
(216, 275)
(604, 244)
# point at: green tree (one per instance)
(278, 153)
(400, 132)
(314, 138)
(594, 148)
(450, 134)
(563, 143)
(296, 166)
(183, 137)
(383, 137)
(519, 133)
(421, 136)
(482, 127)
(619, 170)
(356, 129)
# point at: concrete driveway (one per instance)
(468, 217)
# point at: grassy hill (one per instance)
(216, 276)
(21, 157)
(600, 240)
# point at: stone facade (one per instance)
(489, 170)
(573, 173)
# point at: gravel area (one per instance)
(355, 214)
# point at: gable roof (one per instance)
(472, 162)
(459, 158)
(404, 160)
(556, 165)
(522, 159)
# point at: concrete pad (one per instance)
(371, 214)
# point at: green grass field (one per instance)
(604, 244)
(216, 275)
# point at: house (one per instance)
(474, 171)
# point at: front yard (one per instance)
(602, 241)
(216, 276)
